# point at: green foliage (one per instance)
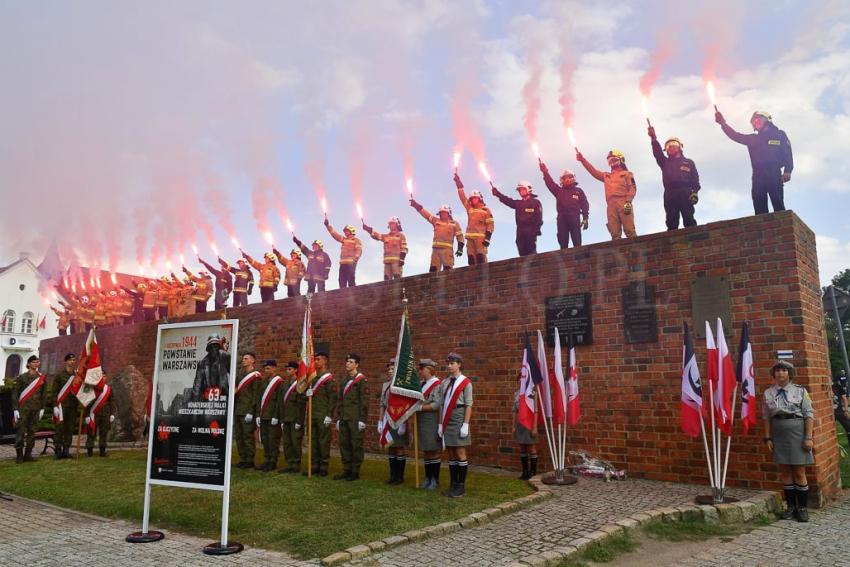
(307, 518)
(698, 530)
(608, 549)
(836, 361)
(844, 460)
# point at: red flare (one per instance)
(712, 96)
(410, 186)
(195, 248)
(269, 238)
(456, 158)
(572, 137)
(536, 149)
(482, 167)
(235, 242)
(114, 278)
(182, 259)
(289, 226)
(644, 101)
(214, 248)
(168, 265)
(359, 210)
(324, 205)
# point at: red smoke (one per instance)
(565, 94)
(314, 168)
(657, 59)
(260, 203)
(465, 130)
(216, 201)
(360, 144)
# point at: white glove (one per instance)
(111, 419)
(440, 429)
(380, 426)
(257, 421)
(17, 415)
(249, 418)
(56, 412)
(297, 426)
(274, 421)
(464, 431)
(88, 420)
(361, 426)
(309, 392)
(337, 425)
(402, 429)
(327, 421)
(40, 414)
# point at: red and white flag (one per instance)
(692, 408)
(43, 324)
(89, 371)
(747, 378)
(558, 385)
(545, 397)
(725, 385)
(527, 383)
(573, 403)
(306, 361)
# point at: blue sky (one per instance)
(128, 129)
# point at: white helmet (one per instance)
(477, 194)
(568, 173)
(445, 209)
(394, 220)
(525, 184)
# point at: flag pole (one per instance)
(729, 439)
(707, 456)
(546, 429)
(310, 437)
(416, 446)
(80, 430)
(713, 433)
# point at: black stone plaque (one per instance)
(710, 300)
(572, 316)
(640, 322)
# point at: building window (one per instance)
(26, 323)
(13, 366)
(8, 321)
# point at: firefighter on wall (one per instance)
(203, 289)
(573, 208)
(269, 275)
(528, 213)
(243, 281)
(223, 284)
(349, 254)
(620, 190)
(446, 230)
(680, 179)
(395, 247)
(293, 271)
(318, 264)
(479, 224)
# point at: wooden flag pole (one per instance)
(416, 446)
(80, 430)
(310, 437)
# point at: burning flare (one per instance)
(712, 96)
(168, 265)
(644, 101)
(456, 158)
(195, 248)
(235, 242)
(572, 137)
(214, 248)
(289, 226)
(359, 210)
(536, 149)
(269, 237)
(182, 259)
(410, 186)
(111, 277)
(324, 205)
(482, 167)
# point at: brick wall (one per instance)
(629, 393)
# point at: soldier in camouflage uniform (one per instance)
(248, 390)
(292, 406)
(100, 414)
(352, 413)
(28, 397)
(66, 407)
(268, 416)
(323, 392)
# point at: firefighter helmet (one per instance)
(320, 243)
(445, 209)
(761, 114)
(269, 256)
(673, 141)
(394, 220)
(296, 251)
(349, 228)
(476, 194)
(568, 173)
(524, 184)
(616, 154)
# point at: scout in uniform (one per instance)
(269, 275)
(28, 401)
(294, 271)
(455, 413)
(572, 206)
(349, 254)
(268, 415)
(446, 230)
(395, 247)
(620, 191)
(243, 281)
(396, 438)
(203, 289)
(323, 393)
(223, 284)
(292, 406)
(318, 264)
(100, 414)
(479, 224)
(66, 407)
(352, 413)
(527, 441)
(427, 421)
(248, 390)
(528, 213)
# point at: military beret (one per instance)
(270, 362)
(32, 358)
(322, 353)
(353, 356)
(70, 356)
(292, 364)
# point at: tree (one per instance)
(836, 361)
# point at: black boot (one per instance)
(400, 463)
(790, 501)
(58, 452)
(802, 503)
(453, 474)
(461, 479)
(343, 476)
(532, 466)
(524, 459)
(89, 451)
(19, 455)
(393, 473)
(103, 451)
(435, 474)
(28, 455)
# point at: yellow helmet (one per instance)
(350, 229)
(761, 114)
(616, 154)
(269, 256)
(320, 243)
(295, 251)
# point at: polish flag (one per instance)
(545, 391)
(725, 384)
(529, 377)
(558, 386)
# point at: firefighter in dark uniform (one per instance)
(323, 392)
(269, 275)
(529, 216)
(770, 156)
(223, 284)
(28, 401)
(243, 281)
(66, 407)
(352, 413)
(573, 208)
(680, 179)
(292, 411)
(318, 264)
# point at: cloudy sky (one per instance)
(132, 130)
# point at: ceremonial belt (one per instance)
(289, 391)
(267, 394)
(322, 381)
(429, 386)
(268, 283)
(97, 406)
(351, 383)
(452, 396)
(30, 389)
(245, 381)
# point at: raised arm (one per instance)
(598, 175)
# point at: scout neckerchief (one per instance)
(244, 382)
(267, 394)
(351, 383)
(98, 404)
(452, 395)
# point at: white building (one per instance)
(23, 289)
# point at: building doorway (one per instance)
(13, 366)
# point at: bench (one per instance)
(47, 436)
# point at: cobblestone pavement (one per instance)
(574, 512)
(822, 542)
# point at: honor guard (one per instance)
(528, 213)
(620, 190)
(352, 413)
(294, 271)
(318, 264)
(479, 224)
(243, 281)
(223, 284)
(66, 407)
(248, 390)
(350, 253)
(268, 415)
(770, 156)
(397, 438)
(455, 413)
(395, 247)
(100, 415)
(269, 275)
(680, 179)
(203, 289)
(446, 230)
(292, 410)
(427, 421)
(28, 401)
(323, 397)
(572, 205)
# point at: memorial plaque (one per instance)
(640, 322)
(710, 300)
(572, 316)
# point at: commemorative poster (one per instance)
(192, 407)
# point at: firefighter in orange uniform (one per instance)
(318, 264)
(350, 253)
(620, 191)
(395, 247)
(126, 305)
(269, 275)
(479, 226)
(243, 281)
(64, 320)
(293, 271)
(446, 230)
(203, 289)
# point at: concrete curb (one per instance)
(542, 492)
(759, 505)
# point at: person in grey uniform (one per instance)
(397, 450)
(455, 413)
(789, 422)
(527, 441)
(427, 420)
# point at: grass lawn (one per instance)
(844, 461)
(307, 518)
